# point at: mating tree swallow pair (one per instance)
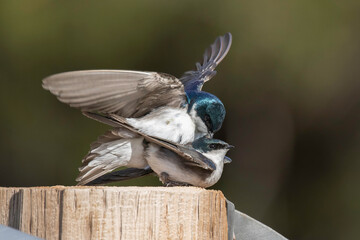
(161, 123)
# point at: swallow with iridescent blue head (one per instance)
(156, 104)
(199, 163)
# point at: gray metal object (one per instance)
(9, 233)
(243, 227)
(230, 207)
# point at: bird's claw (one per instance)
(164, 177)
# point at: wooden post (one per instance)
(115, 212)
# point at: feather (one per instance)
(121, 175)
(126, 93)
(194, 80)
(114, 149)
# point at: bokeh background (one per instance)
(290, 84)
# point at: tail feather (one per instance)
(121, 175)
(109, 152)
(89, 175)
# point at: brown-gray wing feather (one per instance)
(126, 93)
(194, 80)
(189, 154)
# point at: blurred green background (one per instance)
(290, 84)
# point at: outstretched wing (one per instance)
(188, 153)
(194, 80)
(126, 93)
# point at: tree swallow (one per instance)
(156, 104)
(174, 170)
(198, 164)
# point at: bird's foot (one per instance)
(176, 184)
(164, 177)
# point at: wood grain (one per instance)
(115, 212)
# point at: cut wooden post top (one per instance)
(122, 188)
(79, 212)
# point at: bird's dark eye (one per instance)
(212, 146)
(208, 122)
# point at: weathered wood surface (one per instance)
(115, 212)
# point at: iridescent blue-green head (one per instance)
(207, 111)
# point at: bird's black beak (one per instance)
(227, 160)
(229, 146)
